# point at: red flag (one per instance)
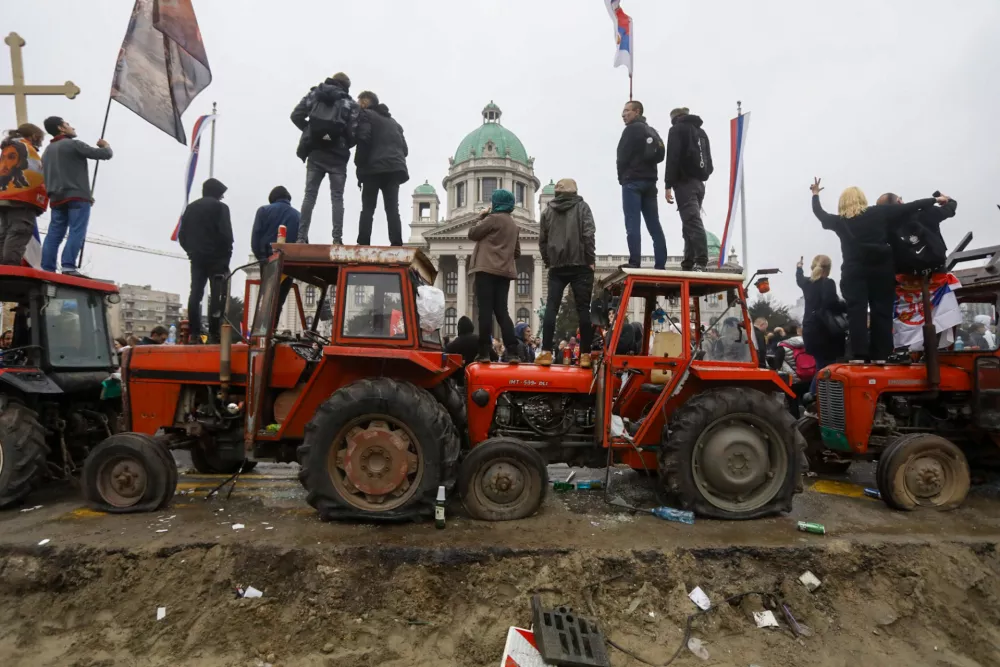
(162, 64)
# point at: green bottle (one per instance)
(816, 528)
(439, 509)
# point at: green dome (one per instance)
(425, 189)
(504, 142)
(549, 189)
(714, 244)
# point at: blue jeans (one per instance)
(639, 201)
(72, 216)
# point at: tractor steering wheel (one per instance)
(312, 335)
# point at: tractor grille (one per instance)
(831, 405)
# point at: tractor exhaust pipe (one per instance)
(225, 360)
(930, 340)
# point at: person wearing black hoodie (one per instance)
(206, 234)
(637, 176)
(567, 244)
(466, 343)
(323, 154)
(689, 164)
(381, 163)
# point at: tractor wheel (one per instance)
(23, 452)
(502, 480)
(209, 463)
(733, 453)
(808, 426)
(923, 471)
(451, 396)
(128, 473)
(377, 450)
(168, 460)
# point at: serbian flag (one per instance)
(162, 64)
(192, 164)
(623, 34)
(908, 318)
(738, 128)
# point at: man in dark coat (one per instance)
(466, 343)
(381, 163)
(689, 164)
(325, 155)
(206, 235)
(158, 336)
(269, 218)
(637, 176)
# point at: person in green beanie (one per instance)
(492, 268)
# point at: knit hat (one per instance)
(503, 201)
(566, 186)
(279, 193)
(679, 111)
(343, 79)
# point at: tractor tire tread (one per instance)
(158, 473)
(26, 453)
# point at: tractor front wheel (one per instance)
(923, 471)
(129, 473)
(502, 480)
(23, 452)
(733, 453)
(377, 450)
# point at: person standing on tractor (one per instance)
(22, 191)
(328, 119)
(568, 248)
(689, 164)
(918, 248)
(640, 149)
(868, 279)
(497, 246)
(381, 164)
(822, 332)
(269, 219)
(67, 179)
(206, 235)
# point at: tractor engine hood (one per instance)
(529, 377)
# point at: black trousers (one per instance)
(212, 272)
(388, 185)
(869, 295)
(690, 195)
(581, 280)
(491, 297)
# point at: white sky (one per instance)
(891, 95)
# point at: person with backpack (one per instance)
(640, 149)
(824, 328)
(381, 164)
(327, 117)
(689, 164)
(918, 247)
(868, 278)
(792, 358)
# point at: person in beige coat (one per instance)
(492, 268)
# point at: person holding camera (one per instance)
(823, 328)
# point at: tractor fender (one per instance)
(30, 382)
(740, 375)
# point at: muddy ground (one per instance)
(898, 589)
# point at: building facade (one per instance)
(142, 308)
(488, 158)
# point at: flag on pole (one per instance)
(623, 34)
(738, 140)
(908, 316)
(192, 164)
(162, 64)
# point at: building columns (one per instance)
(536, 296)
(439, 278)
(463, 295)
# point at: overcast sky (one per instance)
(895, 95)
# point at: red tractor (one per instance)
(922, 417)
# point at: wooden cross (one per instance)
(21, 91)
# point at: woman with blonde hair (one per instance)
(823, 337)
(867, 276)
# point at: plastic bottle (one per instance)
(670, 514)
(172, 337)
(439, 509)
(959, 344)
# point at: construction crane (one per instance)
(97, 239)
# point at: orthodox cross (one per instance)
(21, 91)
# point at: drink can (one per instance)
(282, 233)
(562, 486)
(816, 528)
(873, 493)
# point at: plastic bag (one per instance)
(430, 307)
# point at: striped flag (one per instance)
(623, 34)
(738, 128)
(192, 164)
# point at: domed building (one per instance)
(491, 157)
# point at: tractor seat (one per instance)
(650, 388)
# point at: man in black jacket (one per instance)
(929, 220)
(381, 162)
(689, 164)
(567, 245)
(637, 175)
(327, 155)
(206, 235)
(466, 343)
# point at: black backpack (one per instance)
(330, 121)
(698, 161)
(654, 149)
(916, 248)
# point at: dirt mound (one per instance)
(396, 607)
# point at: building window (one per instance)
(359, 295)
(523, 284)
(451, 282)
(519, 192)
(486, 188)
(450, 326)
(459, 195)
(523, 314)
(424, 210)
(309, 322)
(310, 296)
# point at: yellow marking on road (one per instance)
(243, 476)
(194, 486)
(835, 488)
(85, 513)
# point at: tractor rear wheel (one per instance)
(732, 453)
(377, 450)
(452, 397)
(808, 426)
(502, 479)
(128, 473)
(209, 463)
(923, 471)
(23, 452)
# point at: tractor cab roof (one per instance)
(28, 273)
(621, 274)
(317, 263)
(985, 276)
